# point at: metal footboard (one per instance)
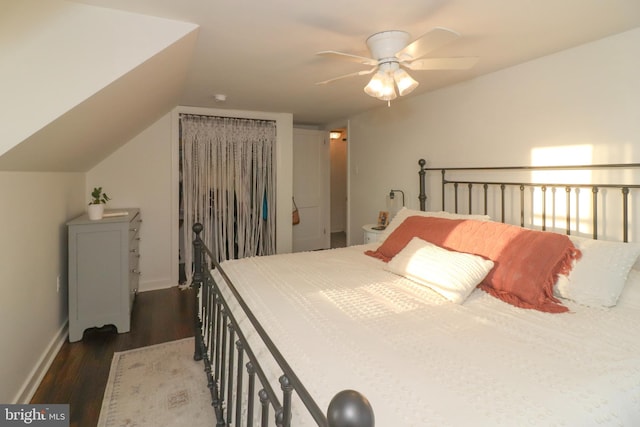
(222, 345)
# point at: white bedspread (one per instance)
(345, 323)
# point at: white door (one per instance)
(311, 187)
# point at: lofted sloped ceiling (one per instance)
(80, 77)
(83, 80)
(261, 54)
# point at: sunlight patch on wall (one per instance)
(561, 155)
(562, 207)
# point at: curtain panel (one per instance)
(228, 185)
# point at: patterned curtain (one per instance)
(228, 185)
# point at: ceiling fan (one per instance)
(391, 51)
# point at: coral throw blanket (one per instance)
(527, 262)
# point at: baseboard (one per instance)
(38, 372)
(155, 285)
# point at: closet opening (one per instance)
(226, 183)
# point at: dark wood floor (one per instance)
(338, 239)
(79, 373)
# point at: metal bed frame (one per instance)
(222, 345)
(522, 185)
(217, 330)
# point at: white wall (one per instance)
(144, 173)
(138, 175)
(584, 98)
(33, 216)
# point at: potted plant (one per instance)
(96, 205)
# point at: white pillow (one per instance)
(630, 296)
(598, 277)
(404, 213)
(453, 275)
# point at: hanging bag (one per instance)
(295, 215)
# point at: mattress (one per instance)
(343, 322)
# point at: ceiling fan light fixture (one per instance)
(375, 86)
(406, 83)
(391, 50)
(388, 92)
(381, 86)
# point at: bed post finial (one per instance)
(197, 255)
(197, 228)
(423, 195)
(349, 408)
(196, 283)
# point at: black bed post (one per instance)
(349, 408)
(423, 195)
(195, 284)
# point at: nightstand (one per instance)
(371, 235)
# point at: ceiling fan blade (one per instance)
(347, 56)
(462, 63)
(426, 43)
(357, 73)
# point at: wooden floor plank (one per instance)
(79, 372)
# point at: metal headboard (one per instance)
(522, 185)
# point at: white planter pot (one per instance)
(95, 211)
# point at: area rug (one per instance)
(159, 385)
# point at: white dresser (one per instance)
(103, 270)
